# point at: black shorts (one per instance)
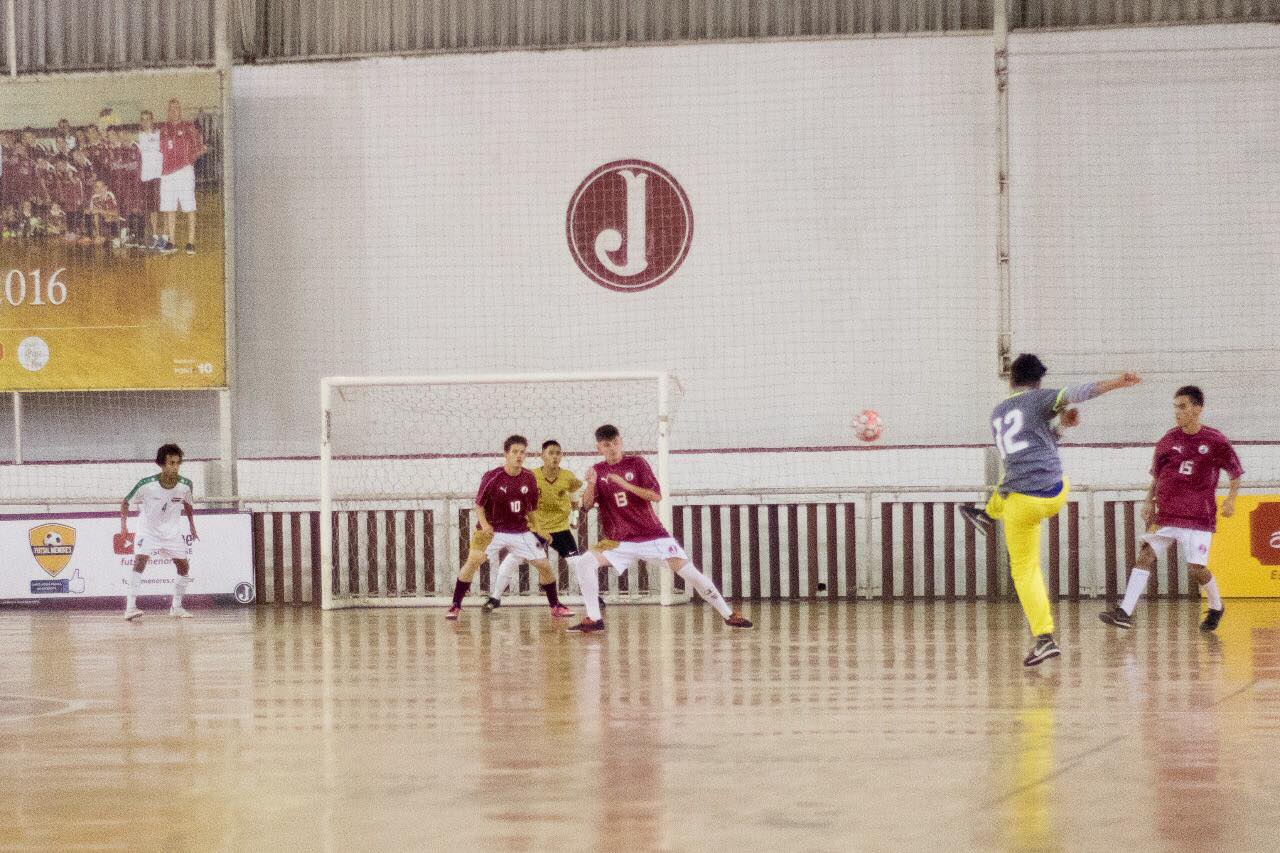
(562, 543)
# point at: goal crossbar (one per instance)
(330, 385)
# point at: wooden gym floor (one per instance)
(832, 726)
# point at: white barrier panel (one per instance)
(80, 555)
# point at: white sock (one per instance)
(588, 572)
(506, 571)
(705, 588)
(1137, 585)
(1211, 590)
(179, 587)
(131, 598)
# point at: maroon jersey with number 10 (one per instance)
(1186, 470)
(507, 499)
(623, 516)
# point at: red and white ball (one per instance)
(867, 425)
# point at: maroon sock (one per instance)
(553, 597)
(460, 589)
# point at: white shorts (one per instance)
(1194, 543)
(175, 548)
(627, 554)
(178, 191)
(526, 546)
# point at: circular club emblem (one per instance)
(244, 593)
(629, 225)
(33, 353)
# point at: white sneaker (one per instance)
(179, 613)
(132, 613)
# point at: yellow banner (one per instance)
(1245, 556)
(111, 249)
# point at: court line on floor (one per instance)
(69, 706)
(1079, 759)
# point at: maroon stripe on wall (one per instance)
(993, 567)
(929, 549)
(908, 550)
(295, 556)
(334, 518)
(429, 554)
(812, 545)
(753, 549)
(1055, 552)
(1109, 546)
(696, 539)
(833, 554)
(353, 551)
(717, 550)
(277, 557)
(886, 551)
(389, 526)
(371, 550)
(1130, 538)
(793, 550)
(851, 550)
(317, 591)
(411, 551)
(260, 559)
(775, 554)
(1073, 551)
(949, 551)
(677, 525)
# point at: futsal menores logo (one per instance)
(51, 545)
(629, 225)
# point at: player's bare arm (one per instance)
(588, 499)
(190, 512)
(483, 521)
(1229, 503)
(1149, 504)
(651, 495)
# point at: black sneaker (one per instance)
(602, 604)
(977, 518)
(491, 605)
(1044, 649)
(587, 626)
(190, 249)
(1211, 620)
(1116, 617)
(166, 248)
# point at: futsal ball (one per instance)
(867, 425)
(53, 538)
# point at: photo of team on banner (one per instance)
(109, 181)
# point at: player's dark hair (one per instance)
(1027, 369)
(550, 442)
(167, 450)
(146, 113)
(512, 441)
(607, 432)
(1192, 393)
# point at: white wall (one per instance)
(408, 215)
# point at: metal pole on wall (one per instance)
(226, 434)
(1004, 327)
(11, 35)
(17, 428)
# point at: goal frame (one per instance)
(328, 384)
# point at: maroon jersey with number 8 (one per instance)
(507, 499)
(623, 516)
(1186, 469)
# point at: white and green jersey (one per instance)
(160, 510)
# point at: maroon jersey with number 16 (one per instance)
(1186, 470)
(623, 516)
(507, 499)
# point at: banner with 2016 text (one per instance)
(112, 267)
(82, 555)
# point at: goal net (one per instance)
(401, 458)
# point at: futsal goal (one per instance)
(401, 458)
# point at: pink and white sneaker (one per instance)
(560, 611)
(452, 612)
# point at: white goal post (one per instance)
(400, 457)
